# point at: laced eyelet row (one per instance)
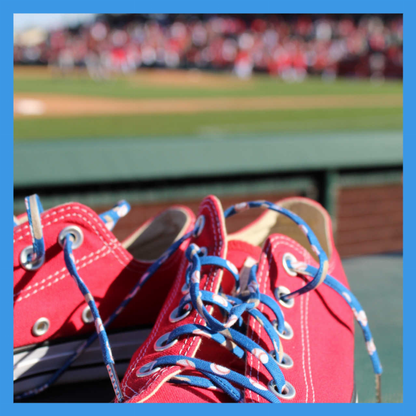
(286, 362)
(160, 344)
(177, 315)
(288, 392)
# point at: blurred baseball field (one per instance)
(49, 105)
(280, 105)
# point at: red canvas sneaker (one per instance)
(52, 323)
(263, 315)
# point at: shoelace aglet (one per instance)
(115, 382)
(378, 388)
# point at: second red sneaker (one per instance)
(263, 315)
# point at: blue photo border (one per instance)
(188, 6)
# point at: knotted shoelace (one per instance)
(233, 307)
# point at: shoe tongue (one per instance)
(214, 238)
(243, 255)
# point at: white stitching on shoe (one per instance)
(59, 279)
(75, 207)
(63, 270)
(303, 348)
(307, 342)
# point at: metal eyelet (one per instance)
(76, 233)
(185, 289)
(147, 369)
(160, 343)
(28, 264)
(288, 391)
(279, 292)
(174, 317)
(288, 332)
(87, 315)
(287, 361)
(41, 327)
(199, 226)
(203, 251)
(292, 258)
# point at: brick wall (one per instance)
(370, 220)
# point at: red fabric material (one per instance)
(172, 393)
(322, 346)
(107, 268)
(238, 251)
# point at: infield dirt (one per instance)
(53, 105)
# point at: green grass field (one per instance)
(258, 86)
(211, 122)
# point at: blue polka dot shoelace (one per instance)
(225, 333)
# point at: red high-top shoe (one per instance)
(52, 323)
(263, 315)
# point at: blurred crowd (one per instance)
(288, 46)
